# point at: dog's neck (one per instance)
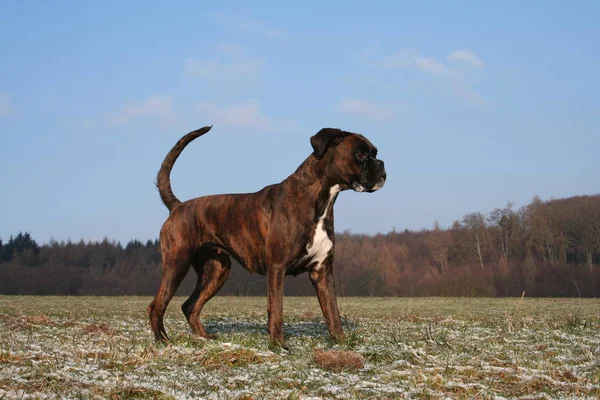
(311, 177)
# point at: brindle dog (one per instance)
(283, 229)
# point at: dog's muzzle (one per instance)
(373, 177)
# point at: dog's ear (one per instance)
(326, 137)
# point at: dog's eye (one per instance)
(361, 155)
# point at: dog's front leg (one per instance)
(323, 281)
(275, 279)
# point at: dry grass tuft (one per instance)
(307, 316)
(233, 358)
(26, 321)
(8, 358)
(99, 328)
(336, 360)
(131, 392)
(565, 376)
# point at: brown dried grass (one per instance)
(233, 358)
(99, 328)
(337, 360)
(26, 321)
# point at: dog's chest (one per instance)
(320, 245)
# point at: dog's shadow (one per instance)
(310, 328)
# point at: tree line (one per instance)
(547, 248)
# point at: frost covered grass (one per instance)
(101, 347)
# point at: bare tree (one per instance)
(438, 242)
(506, 220)
(474, 224)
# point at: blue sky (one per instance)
(471, 104)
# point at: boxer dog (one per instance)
(283, 229)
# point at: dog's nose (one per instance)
(379, 163)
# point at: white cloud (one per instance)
(248, 115)
(462, 90)
(430, 65)
(155, 106)
(232, 67)
(465, 56)
(365, 108)
(6, 107)
(409, 59)
(452, 72)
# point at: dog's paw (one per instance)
(277, 346)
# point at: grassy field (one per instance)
(101, 347)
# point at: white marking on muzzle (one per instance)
(357, 187)
(321, 244)
(378, 185)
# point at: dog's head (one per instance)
(351, 159)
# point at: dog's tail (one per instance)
(163, 179)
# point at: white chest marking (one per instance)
(321, 244)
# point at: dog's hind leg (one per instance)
(213, 267)
(187, 307)
(175, 267)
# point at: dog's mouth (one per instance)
(378, 185)
(358, 187)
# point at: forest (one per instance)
(545, 249)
